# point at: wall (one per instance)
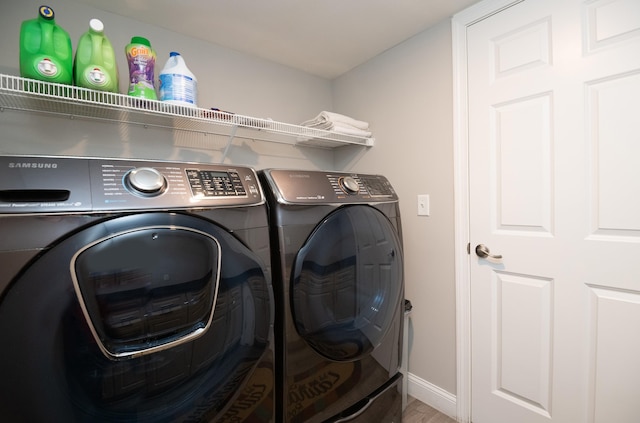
(406, 95)
(227, 80)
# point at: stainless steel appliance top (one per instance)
(318, 187)
(38, 184)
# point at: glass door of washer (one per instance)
(347, 283)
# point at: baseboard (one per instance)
(432, 395)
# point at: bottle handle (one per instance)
(47, 36)
(96, 44)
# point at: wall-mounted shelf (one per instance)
(18, 93)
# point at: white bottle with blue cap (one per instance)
(177, 84)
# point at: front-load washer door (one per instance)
(153, 317)
(147, 289)
(347, 283)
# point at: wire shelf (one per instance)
(19, 93)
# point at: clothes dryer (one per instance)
(133, 291)
(339, 290)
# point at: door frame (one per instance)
(459, 25)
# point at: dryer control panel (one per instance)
(314, 187)
(32, 184)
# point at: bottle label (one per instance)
(177, 88)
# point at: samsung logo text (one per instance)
(26, 165)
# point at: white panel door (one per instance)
(554, 183)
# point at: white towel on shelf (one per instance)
(343, 128)
(318, 125)
(325, 120)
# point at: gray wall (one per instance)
(405, 93)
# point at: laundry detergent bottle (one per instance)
(45, 49)
(177, 84)
(141, 60)
(95, 61)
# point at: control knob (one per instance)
(349, 185)
(146, 181)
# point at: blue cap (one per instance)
(46, 12)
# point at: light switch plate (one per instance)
(423, 205)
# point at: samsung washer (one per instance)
(133, 291)
(339, 288)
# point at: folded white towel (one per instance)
(325, 118)
(318, 125)
(338, 118)
(343, 128)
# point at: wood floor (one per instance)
(418, 412)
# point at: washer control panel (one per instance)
(65, 184)
(300, 186)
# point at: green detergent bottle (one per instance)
(45, 49)
(95, 62)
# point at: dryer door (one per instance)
(144, 318)
(347, 283)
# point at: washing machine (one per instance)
(134, 291)
(339, 289)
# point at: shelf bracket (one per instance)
(229, 141)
